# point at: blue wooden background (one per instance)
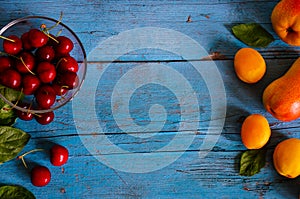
(214, 176)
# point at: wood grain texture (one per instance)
(95, 21)
(216, 175)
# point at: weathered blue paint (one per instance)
(216, 175)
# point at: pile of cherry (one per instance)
(38, 64)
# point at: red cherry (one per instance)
(64, 46)
(29, 61)
(59, 90)
(68, 64)
(68, 79)
(45, 96)
(10, 47)
(51, 41)
(58, 155)
(10, 78)
(45, 118)
(40, 176)
(24, 115)
(30, 84)
(25, 42)
(46, 72)
(45, 53)
(5, 63)
(58, 56)
(37, 38)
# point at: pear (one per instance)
(281, 98)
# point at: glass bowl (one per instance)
(18, 27)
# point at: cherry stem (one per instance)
(65, 86)
(22, 156)
(46, 30)
(56, 24)
(52, 38)
(38, 115)
(58, 33)
(8, 39)
(6, 54)
(61, 92)
(35, 114)
(26, 66)
(19, 97)
(30, 105)
(29, 108)
(60, 60)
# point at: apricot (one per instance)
(281, 98)
(286, 21)
(249, 65)
(255, 132)
(286, 158)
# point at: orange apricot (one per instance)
(249, 65)
(286, 158)
(255, 132)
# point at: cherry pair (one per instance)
(41, 175)
(42, 118)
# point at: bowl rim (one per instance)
(84, 62)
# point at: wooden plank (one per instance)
(218, 169)
(210, 23)
(216, 175)
(189, 169)
(247, 101)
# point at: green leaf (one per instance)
(15, 192)
(11, 94)
(12, 141)
(253, 34)
(7, 114)
(10, 121)
(252, 161)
